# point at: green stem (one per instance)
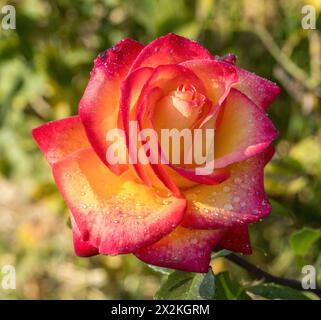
(267, 277)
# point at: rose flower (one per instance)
(165, 213)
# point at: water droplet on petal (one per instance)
(237, 180)
(228, 206)
(226, 189)
(194, 241)
(236, 199)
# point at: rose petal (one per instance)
(244, 130)
(57, 139)
(114, 213)
(162, 115)
(153, 173)
(170, 49)
(182, 249)
(215, 177)
(162, 81)
(130, 92)
(261, 91)
(237, 201)
(216, 76)
(237, 239)
(82, 248)
(99, 106)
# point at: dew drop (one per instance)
(226, 189)
(236, 199)
(116, 48)
(228, 206)
(194, 241)
(237, 180)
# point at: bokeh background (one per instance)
(44, 68)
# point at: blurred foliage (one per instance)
(44, 68)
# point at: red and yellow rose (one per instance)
(165, 214)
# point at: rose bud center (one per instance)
(181, 110)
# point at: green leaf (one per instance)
(181, 285)
(221, 253)
(160, 269)
(274, 291)
(226, 289)
(301, 241)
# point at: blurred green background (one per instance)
(44, 68)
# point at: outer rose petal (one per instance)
(237, 239)
(183, 249)
(57, 139)
(237, 201)
(114, 213)
(244, 130)
(98, 108)
(170, 49)
(261, 91)
(82, 248)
